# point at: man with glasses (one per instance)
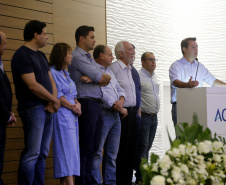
(188, 73)
(149, 109)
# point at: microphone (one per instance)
(197, 68)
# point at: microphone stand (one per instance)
(197, 68)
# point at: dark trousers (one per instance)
(174, 113)
(90, 127)
(127, 148)
(2, 149)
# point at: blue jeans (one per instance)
(109, 141)
(37, 126)
(174, 113)
(2, 149)
(148, 130)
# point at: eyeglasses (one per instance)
(152, 59)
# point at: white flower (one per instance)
(182, 149)
(224, 148)
(209, 143)
(165, 162)
(164, 172)
(200, 157)
(155, 168)
(203, 148)
(176, 152)
(217, 158)
(184, 168)
(217, 145)
(169, 180)
(145, 166)
(176, 173)
(158, 180)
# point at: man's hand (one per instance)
(56, 105)
(13, 119)
(85, 79)
(53, 107)
(118, 105)
(192, 84)
(124, 112)
(49, 108)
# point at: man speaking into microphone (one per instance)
(188, 73)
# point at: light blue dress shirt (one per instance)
(112, 91)
(183, 70)
(84, 65)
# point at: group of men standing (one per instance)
(119, 104)
(110, 100)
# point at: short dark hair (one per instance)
(98, 50)
(184, 43)
(32, 27)
(82, 31)
(58, 53)
(143, 56)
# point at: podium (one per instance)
(209, 103)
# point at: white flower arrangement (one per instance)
(202, 161)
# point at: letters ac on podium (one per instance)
(209, 103)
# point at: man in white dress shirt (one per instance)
(188, 72)
(125, 54)
(149, 109)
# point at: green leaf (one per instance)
(154, 158)
(176, 143)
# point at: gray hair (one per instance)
(119, 47)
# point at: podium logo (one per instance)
(220, 115)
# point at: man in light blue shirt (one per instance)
(82, 68)
(113, 100)
(188, 73)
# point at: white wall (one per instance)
(159, 26)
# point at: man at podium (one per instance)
(188, 72)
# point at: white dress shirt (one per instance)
(183, 70)
(125, 80)
(149, 92)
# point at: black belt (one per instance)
(174, 103)
(149, 114)
(130, 108)
(91, 99)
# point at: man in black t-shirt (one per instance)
(37, 100)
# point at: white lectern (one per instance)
(209, 103)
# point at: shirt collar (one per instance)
(102, 67)
(83, 52)
(123, 66)
(147, 73)
(184, 61)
